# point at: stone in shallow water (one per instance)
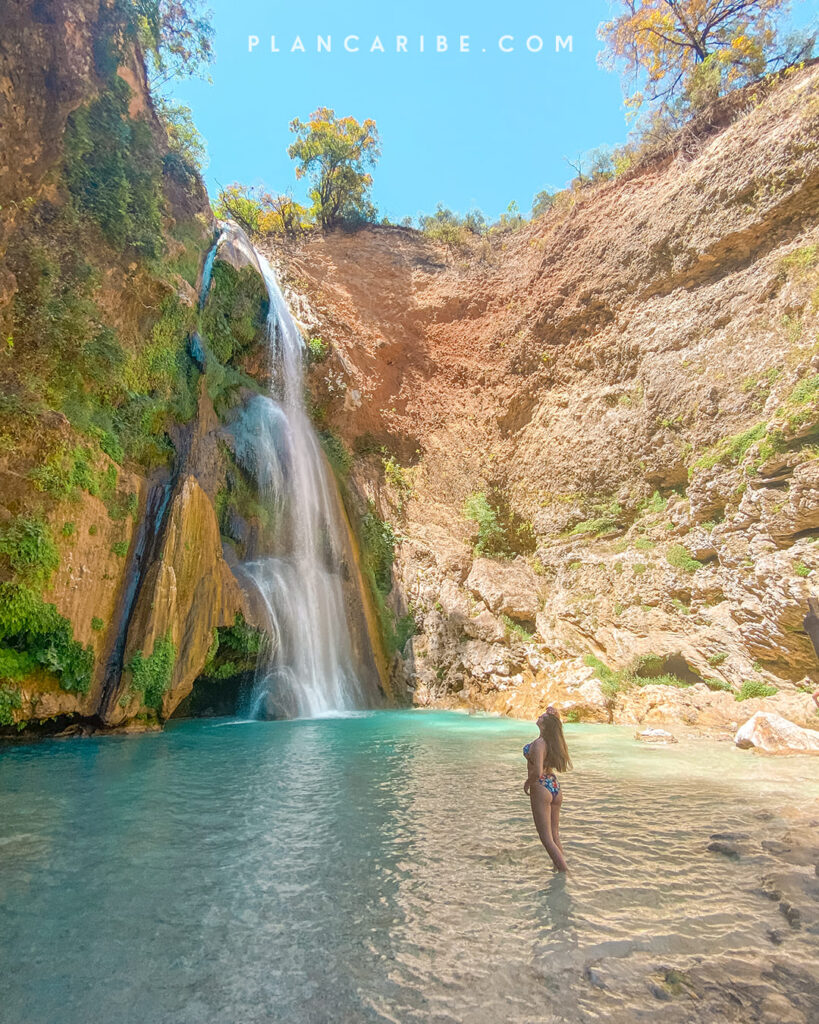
(725, 848)
(655, 736)
(773, 734)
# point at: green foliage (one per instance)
(542, 203)
(235, 313)
(378, 549)
(113, 173)
(334, 154)
(731, 450)
(27, 545)
(798, 263)
(38, 636)
(10, 700)
(806, 390)
(405, 628)
(234, 650)
(317, 350)
(176, 37)
(490, 539)
(337, 453)
(639, 568)
(612, 681)
(717, 658)
(446, 226)
(644, 544)
(718, 684)
(184, 140)
(120, 548)
(515, 629)
(801, 569)
(681, 558)
(656, 503)
(97, 624)
(67, 471)
(151, 677)
(755, 688)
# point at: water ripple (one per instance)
(385, 869)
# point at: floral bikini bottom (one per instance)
(547, 781)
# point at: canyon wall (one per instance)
(595, 438)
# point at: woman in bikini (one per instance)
(545, 756)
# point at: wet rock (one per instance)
(655, 736)
(732, 837)
(725, 848)
(773, 734)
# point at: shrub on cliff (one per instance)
(34, 635)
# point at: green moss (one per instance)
(755, 688)
(120, 548)
(34, 634)
(717, 684)
(338, 455)
(516, 630)
(638, 568)
(801, 569)
(611, 681)
(378, 549)
(27, 545)
(234, 650)
(151, 676)
(680, 557)
(235, 314)
(732, 449)
(97, 624)
(113, 172)
(717, 658)
(644, 544)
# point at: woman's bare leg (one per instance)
(555, 811)
(541, 800)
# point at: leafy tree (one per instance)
(446, 226)
(177, 36)
(183, 136)
(261, 213)
(691, 50)
(542, 203)
(334, 153)
(238, 202)
(282, 215)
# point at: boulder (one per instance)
(773, 734)
(506, 588)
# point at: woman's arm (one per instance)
(534, 763)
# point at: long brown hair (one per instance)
(557, 753)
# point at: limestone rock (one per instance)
(507, 588)
(773, 734)
(187, 592)
(658, 736)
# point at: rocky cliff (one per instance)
(595, 439)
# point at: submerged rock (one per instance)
(773, 734)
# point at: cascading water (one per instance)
(309, 670)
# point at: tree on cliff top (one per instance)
(690, 51)
(334, 152)
(177, 36)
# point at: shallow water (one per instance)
(377, 868)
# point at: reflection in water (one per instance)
(378, 868)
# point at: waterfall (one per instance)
(309, 669)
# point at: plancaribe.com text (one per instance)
(407, 44)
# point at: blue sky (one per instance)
(464, 129)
